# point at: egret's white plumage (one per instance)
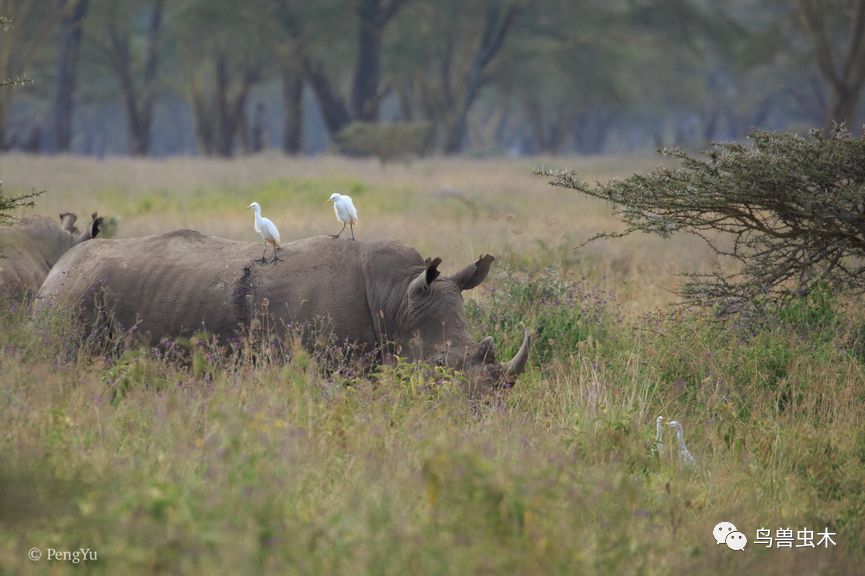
(267, 230)
(684, 453)
(345, 212)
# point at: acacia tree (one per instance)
(287, 43)
(11, 203)
(447, 63)
(577, 76)
(136, 74)
(7, 204)
(25, 27)
(69, 32)
(221, 63)
(299, 21)
(840, 56)
(789, 211)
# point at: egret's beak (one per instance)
(328, 201)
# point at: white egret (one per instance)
(345, 212)
(267, 230)
(687, 459)
(659, 433)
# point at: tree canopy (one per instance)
(515, 76)
(787, 212)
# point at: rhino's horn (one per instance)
(517, 364)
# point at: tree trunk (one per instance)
(292, 97)
(137, 99)
(3, 124)
(201, 112)
(845, 78)
(589, 132)
(333, 109)
(141, 136)
(845, 102)
(492, 37)
(364, 97)
(258, 135)
(223, 135)
(242, 130)
(373, 16)
(20, 42)
(69, 46)
(220, 119)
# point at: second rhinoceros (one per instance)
(30, 247)
(379, 297)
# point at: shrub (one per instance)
(387, 142)
(787, 211)
(561, 312)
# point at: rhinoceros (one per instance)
(30, 247)
(380, 297)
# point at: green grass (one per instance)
(222, 464)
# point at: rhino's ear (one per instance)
(93, 230)
(473, 274)
(67, 221)
(422, 281)
(95, 225)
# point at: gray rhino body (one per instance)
(30, 247)
(380, 297)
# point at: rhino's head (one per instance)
(431, 325)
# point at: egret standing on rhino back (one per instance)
(345, 212)
(267, 230)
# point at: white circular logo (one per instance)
(736, 541)
(722, 530)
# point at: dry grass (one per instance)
(220, 464)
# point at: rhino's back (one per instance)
(183, 281)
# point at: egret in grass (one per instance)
(659, 433)
(267, 230)
(685, 454)
(345, 212)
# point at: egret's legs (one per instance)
(340, 232)
(352, 229)
(263, 254)
(275, 257)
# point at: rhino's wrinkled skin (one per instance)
(30, 247)
(380, 297)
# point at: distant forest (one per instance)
(482, 77)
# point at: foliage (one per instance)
(539, 76)
(787, 210)
(563, 314)
(387, 142)
(8, 204)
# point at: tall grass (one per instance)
(204, 460)
(218, 462)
